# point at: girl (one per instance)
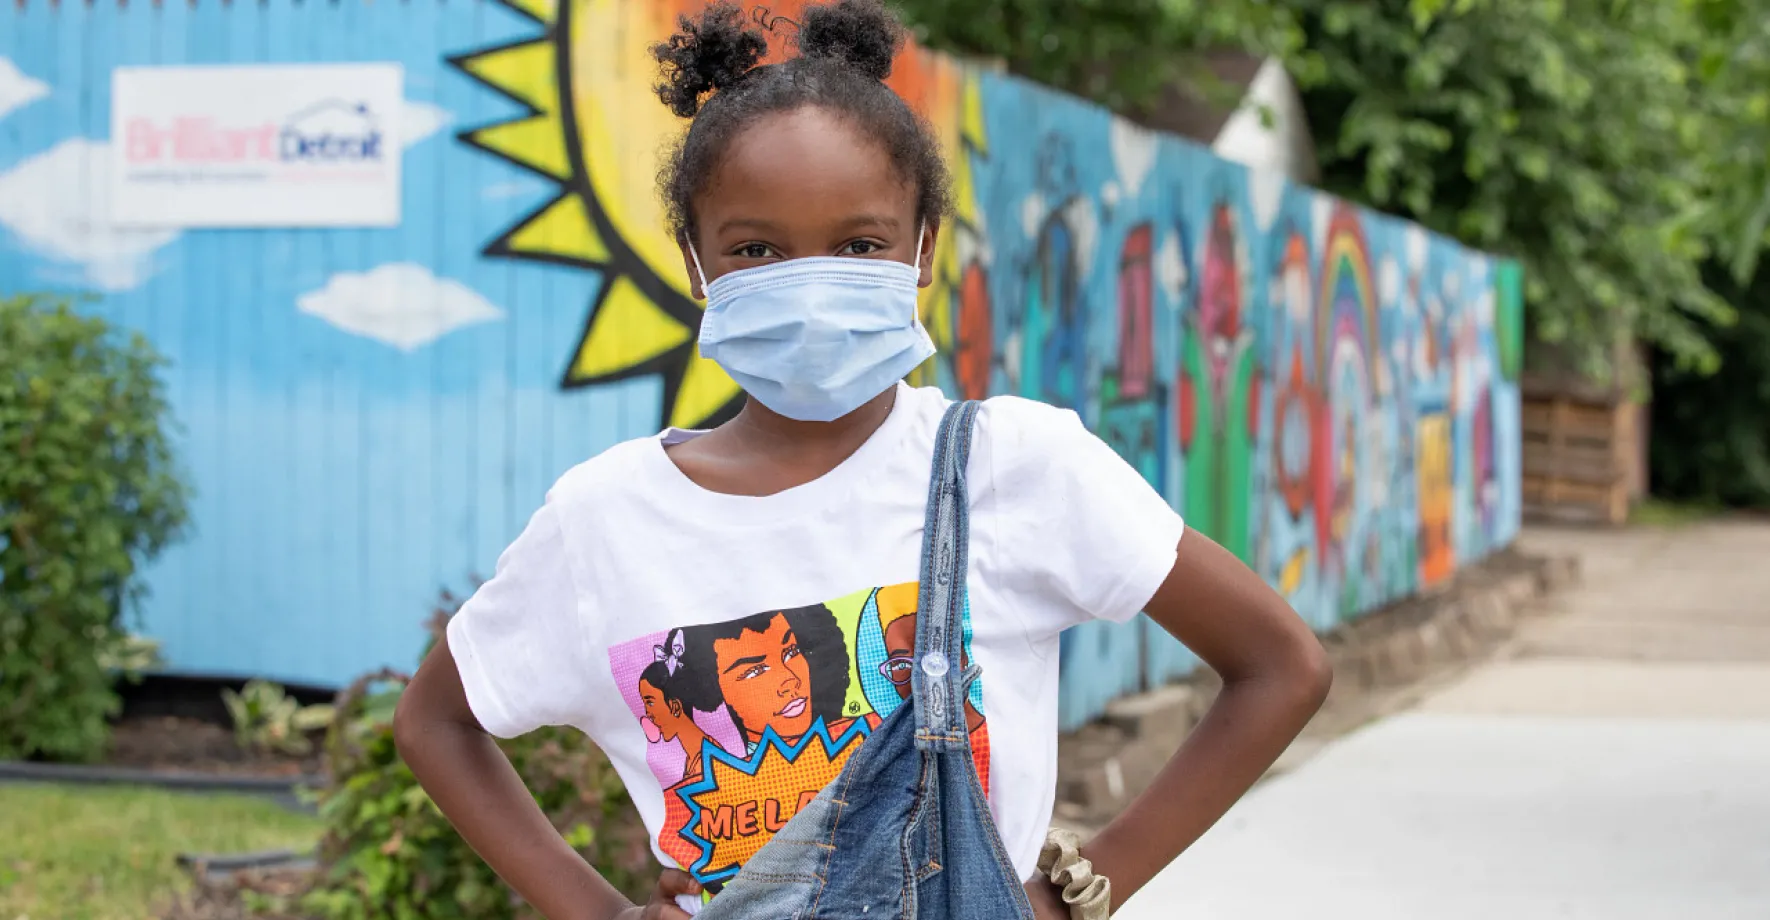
(807, 198)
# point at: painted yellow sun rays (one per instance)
(593, 126)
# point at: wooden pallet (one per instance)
(1550, 499)
(1581, 456)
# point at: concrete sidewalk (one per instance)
(1616, 765)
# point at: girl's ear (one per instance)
(688, 266)
(675, 708)
(925, 252)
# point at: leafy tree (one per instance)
(1120, 53)
(1709, 441)
(1579, 137)
(1733, 65)
(1566, 134)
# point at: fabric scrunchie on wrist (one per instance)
(1089, 896)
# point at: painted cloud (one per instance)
(1032, 215)
(16, 89)
(1388, 281)
(401, 304)
(1170, 267)
(1415, 237)
(1133, 155)
(57, 204)
(1265, 191)
(1321, 209)
(419, 120)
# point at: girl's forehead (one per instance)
(801, 168)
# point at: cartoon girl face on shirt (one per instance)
(765, 678)
(668, 718)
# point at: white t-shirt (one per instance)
(729, 653)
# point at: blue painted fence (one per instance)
(369, 416)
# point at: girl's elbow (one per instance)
(407, 725)
(1311, 672)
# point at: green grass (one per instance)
(91, 853)
(1659, 513)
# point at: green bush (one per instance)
(87, 494)
(1710, 442)
(388, 852)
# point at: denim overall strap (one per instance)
(939, 687)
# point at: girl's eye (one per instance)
(861, 248)
(754, 251)
(789, 653)
(754, 672)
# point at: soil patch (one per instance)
(188, 745)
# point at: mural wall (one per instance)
(370, 415)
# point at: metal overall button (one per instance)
(934, 664)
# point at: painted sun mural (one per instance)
(594, 126)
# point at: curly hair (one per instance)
(821, 640)
(711, 74)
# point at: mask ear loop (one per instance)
(921, 231)
(696, 257)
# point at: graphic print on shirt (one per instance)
(747, 720)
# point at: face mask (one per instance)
(815, 339)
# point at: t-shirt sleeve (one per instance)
(519, 642)
(1077, 524)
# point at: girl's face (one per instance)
(766, 680)
(800, 184)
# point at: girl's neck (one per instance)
(763, 453)
(764, 431)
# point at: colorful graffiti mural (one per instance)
(370, 415)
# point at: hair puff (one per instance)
(712, 52)
(859, 33)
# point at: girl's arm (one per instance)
(471, 780)
(1275, 676)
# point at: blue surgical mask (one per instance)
(815, 339)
